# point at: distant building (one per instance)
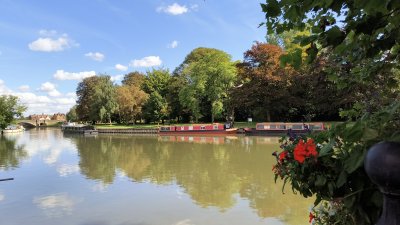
(59, 117)
(45, 117)
(39, 117)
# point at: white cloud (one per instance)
(56, 205)
(121, 67)
(2, 197)
(62, 75)
(174, 9)
(173, 44)
(51, 41)
(4, 90)
(97, 56)
(24, 88)
(194, 7)
(65, 170)
(148, 61)
(38, 104)
(71, 94)
(50, 45)
(47, 33)
(184, 222)
(117, 78)
(50, 89)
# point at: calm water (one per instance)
(142, 180)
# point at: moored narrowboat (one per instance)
(281, 128)
(198, 129)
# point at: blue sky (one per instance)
(47, 47)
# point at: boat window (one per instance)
(315, 127)
(202, 127)
(215, 127)
(297, 127)
(272, 127)
(281, 127)
(260, 127)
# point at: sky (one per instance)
(47, 47)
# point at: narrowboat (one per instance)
(79, 129)
(198, 129)
(12, 129)
(280, 128)
(193, 139)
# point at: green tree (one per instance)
(209, 74)
(177, 110)
(71, 114)
(96, 99)
(85, 97)
(156, 85)
(105, 102)
(10, 108)
(157, 80)
(156, 108)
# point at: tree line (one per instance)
(208, 86)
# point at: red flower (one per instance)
(305, 150)
(311, 217)
(283, 156)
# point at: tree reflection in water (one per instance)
(212, 173)
(11, 154)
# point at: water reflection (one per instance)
(11, 153)
(213, 173)
(56, 205)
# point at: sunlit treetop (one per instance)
(354, 29)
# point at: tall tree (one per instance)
(130, 99)
(85, 93)
(10, 108)
(96, 99)
(134, 78)
(209, 74)
(71, 114)
(105, 103)
(156, 86)
(264, 83)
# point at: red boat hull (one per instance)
(200, 132)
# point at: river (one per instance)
(142, 180)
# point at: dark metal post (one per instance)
(382, 165)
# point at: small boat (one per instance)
(198, 129)
(11, 129)
(280, 128)
(79, 129)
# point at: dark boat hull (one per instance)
(254, 132)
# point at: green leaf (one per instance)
(272, 8)
(342, 179)
(355, 160)
(334, 36)
(327, 148)
(321, 181)
(369, 134)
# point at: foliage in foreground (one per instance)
(329, 165)
(10, 108)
